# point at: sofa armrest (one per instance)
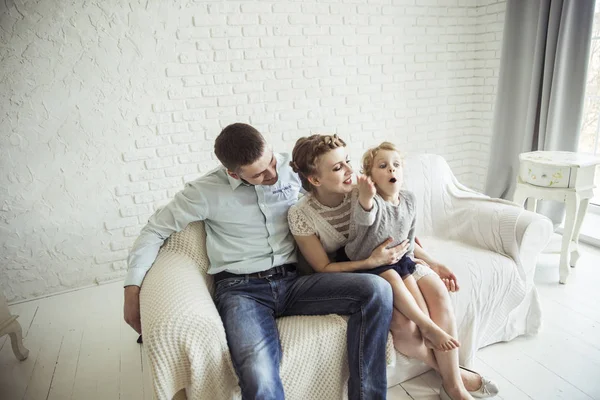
(482, 222)
(178, 274)
(183, 333)
(533, 232)
(500, 226)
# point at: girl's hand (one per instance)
(444, 273)
(384, 256)
(366, 187)
(366, 191)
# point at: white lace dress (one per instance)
(332, 225)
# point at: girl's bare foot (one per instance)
(437, 339)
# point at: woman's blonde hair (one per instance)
(307, 152)
(369, 156)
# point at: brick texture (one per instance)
(420, 73)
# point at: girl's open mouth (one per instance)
(348, 181)
(393, 180)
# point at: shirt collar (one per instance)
(235, 183)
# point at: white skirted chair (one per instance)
(490, 244)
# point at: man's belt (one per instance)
(271, 272)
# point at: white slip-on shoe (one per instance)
(488, 387)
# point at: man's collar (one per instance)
(235, 183)
(279, 158)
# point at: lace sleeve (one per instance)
(299, 223)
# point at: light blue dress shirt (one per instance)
(246, 226)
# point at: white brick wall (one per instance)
(109, 108)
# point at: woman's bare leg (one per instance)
(405, 302)
(408, 339)
(407, 336)
(441, 312)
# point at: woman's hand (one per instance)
(444, 273)
(384, 256)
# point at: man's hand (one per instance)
(131, 308)
(366, 192)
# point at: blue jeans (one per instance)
(249, 306)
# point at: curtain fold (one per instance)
(541, 87)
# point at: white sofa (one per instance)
(490, 244)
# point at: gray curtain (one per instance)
(541, 87)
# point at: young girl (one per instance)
(385, 210)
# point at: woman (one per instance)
(321, 225)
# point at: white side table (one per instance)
(561, 176)
(9, 325)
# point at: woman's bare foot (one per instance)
(437, 339)
(456, 393)
(471, 380)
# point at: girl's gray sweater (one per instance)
(382, 221)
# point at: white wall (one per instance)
(109, 106)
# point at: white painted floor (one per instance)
(80, 348)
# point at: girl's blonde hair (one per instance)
(369, 156)
(306, 153)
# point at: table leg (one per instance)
(583, 206)
(572, 202)
(519, 196)
(531, 204)
(16, 339)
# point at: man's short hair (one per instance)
(238, 145)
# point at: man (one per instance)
(252, 255)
